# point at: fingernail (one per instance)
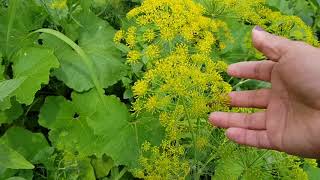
(213, 117)
(232, 70)
(258, 28)
(232, 94)
(232, 133)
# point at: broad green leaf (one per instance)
(240, 163)
(33, 146)
(96, 39)
(313, 173)
(9, 158)
(301, 8)
(85, 126)
(33, 64)
(86, 170)
(16, 22)
(72, 70)
(7, 89)
(72, 167)
(27, 174)
(102, 166)
(7, 116)
(25, 142)
(241, 49)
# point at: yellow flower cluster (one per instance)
(131, 37)
(152, 51)
(182, 82)
(162, 22)
(191, 80)
(58, 4)
(181, 87)
(162, 163)
(169, 16)
(256, 12)
(149, 35)
(133, 57)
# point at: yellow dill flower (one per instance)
(133, 57)
(222, 46)
(119, 36)
(257, 12)
(152, 104)
(146, 146)
(164, 119)
(149, 35)
(134, 12)
(201, 142)
(59, 4)
(311, 162)
(143, 20)
(205, 45)
(152, 51)
(167, 34)
(131, 37)
(199, 106)
(163, 162)
(140, 88)
(181, 49)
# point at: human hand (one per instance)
(291, 121)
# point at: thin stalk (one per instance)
(122, 172)
(193, 139)
(211, 157)
(12, 16)
(240, 83)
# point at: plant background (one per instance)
(66, 100)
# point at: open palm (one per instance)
(291, 121)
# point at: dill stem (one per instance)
(193, 139)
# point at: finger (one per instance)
(255, 121)
(259, 70)
(251, 99)
(274, 47)
(247, 137)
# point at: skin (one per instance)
(290, 120)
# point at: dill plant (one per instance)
(177, 46)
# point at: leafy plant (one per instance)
(82, 100)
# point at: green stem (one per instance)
(122, 172)
(193, 139)
(240, 83)
(12, 16)
(211, 157)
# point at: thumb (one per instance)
(274, 47)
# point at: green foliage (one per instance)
(75, 105)
(33, 65)
(13, 160)
(96, 129)
(308, 10)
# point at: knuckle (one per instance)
(253, 97)
(258, 139)
(257, 70)
(247, 121)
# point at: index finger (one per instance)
(259, 70)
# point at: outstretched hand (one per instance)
(291, 121)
